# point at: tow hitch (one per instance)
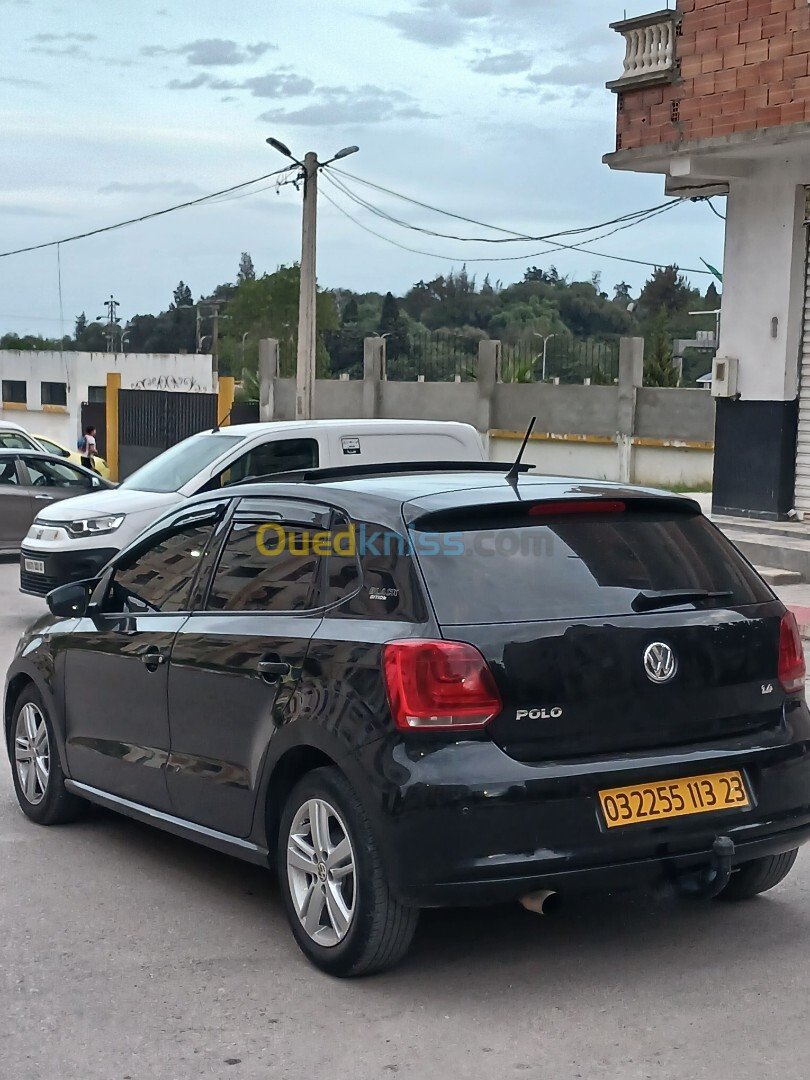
(707, 883)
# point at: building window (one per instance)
(15, 392)
(54, 393)
(96, 394)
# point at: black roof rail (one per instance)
(389, 468)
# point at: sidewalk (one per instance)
(797, 599)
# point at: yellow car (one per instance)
(51, 447)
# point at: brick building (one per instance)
(715, 96)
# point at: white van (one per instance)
(74, 539)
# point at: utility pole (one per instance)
(307, 322)
(112, 306)
(307, 317)
(215, 305)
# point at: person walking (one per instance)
(87, 447)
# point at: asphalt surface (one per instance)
(126, 954)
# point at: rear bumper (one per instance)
(498, 829)
(61, 567)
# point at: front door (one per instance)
(235, 665)
(116, 670)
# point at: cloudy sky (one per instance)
(494, 109)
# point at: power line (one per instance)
(510, 235)
(714, 210)
(511, 258)
(144, 217)
(630, 220)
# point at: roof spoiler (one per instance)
(390, 468)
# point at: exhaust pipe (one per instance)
(543, 902)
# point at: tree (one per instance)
(351, 312)
(182, 296)
(667, 288)
(394, 327)
(712, 296)
(621, 293)
(659, 369)
(247, 271)
(267, 306)
(81, 326)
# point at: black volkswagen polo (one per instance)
(424, 687)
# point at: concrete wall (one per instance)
(597, 461)
(80, 370)
(675, 414)
(652, 436)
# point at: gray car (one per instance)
(30, 480)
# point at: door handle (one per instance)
(271, 670)
(153, 658)
(43, 498)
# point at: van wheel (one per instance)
(338, 902)
(758, 876)
(38, 778)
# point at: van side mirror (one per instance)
(70, 601)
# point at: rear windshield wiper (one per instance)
(652, 601)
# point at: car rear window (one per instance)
(498, 567)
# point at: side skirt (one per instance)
(229, 845)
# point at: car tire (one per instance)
(35, 766)
(336, 895)
(758, 876)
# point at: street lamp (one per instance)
(243, 348)
(307, 329)
(546, 340)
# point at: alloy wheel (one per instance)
(32, 753)
(321, 872)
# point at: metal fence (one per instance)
(435, 357)
(567, 359)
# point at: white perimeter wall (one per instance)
(80, 370)
(652, 466)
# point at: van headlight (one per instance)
(95, 526)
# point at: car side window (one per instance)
(56, 474)
(52, 448)
(281, 455)
(160, 578)
(265, 566)
(384, 584)
(8, 472)
(10, 440)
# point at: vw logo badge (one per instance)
(659, 662)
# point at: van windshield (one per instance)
(175, 467)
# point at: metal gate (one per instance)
(150, 421)
(801, 499)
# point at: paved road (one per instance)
(129, 955)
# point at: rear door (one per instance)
(16, 509)
(569, 608)
(236, 663)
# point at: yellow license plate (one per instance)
(674, 798)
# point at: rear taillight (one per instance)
(439, 686)
(792, 669)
